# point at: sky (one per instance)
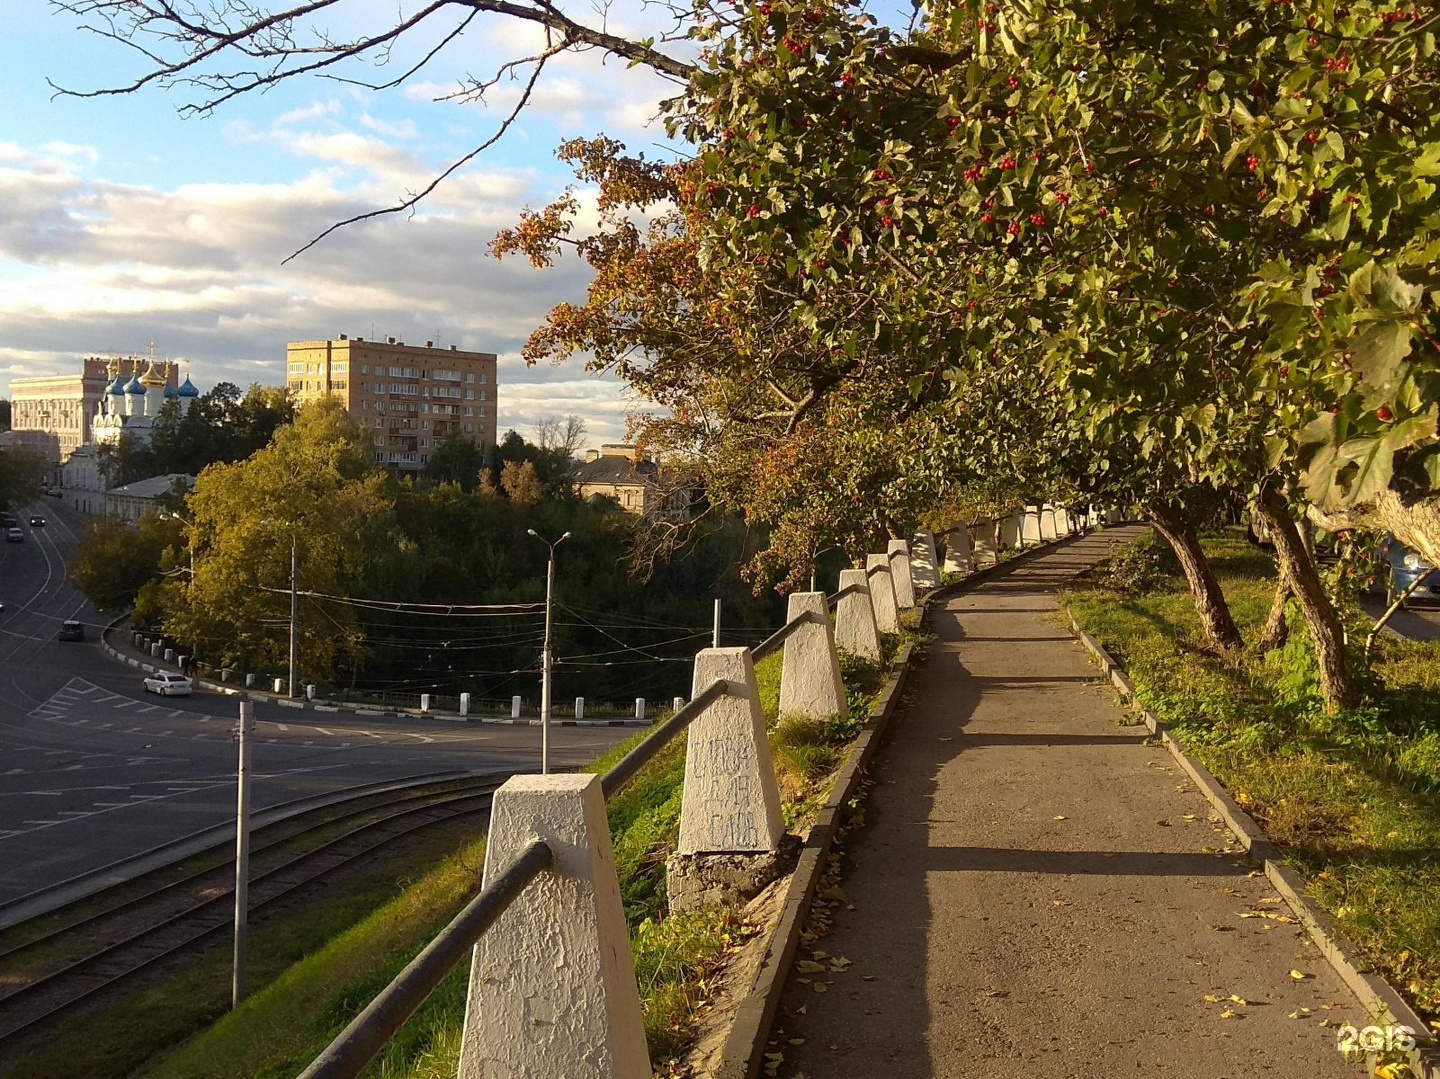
(124, 222)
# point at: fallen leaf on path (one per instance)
(1059, 816)
(810, 966)
(820, 987)
(797, 1041)
(1299, 976)
(1269, 900)
(1299, 1013)
(1228, 1013)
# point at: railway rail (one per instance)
(56, 971)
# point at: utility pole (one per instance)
(547, 655)
(294, 604)
(242, 857)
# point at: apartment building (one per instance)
(409, 397)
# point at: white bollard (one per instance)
(957, 550)
(136, 638)
(169, 655)
(579, 707)
(225, 673)
(1030, 534)
(924, 561)
(984, 545)
(552, 985)
(855, 629)
(514, 707)
(677, 704)
(900, 575)
(464, 704)
(810, 683)
(882, 593)
(309, 692)
(155, 649)
(639, 707)
(279, 685)
(180, 661)
(249, 680)
(1012, 532)
(424, 702)
(1047, 523)
(730, 801)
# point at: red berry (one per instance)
(986, 219)
(887, 222)
(1383, 414)
(1063, 198)
(880, 174)
(1013, 228)
(1007, 163)
(753, 212)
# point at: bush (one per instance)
(1140, 568)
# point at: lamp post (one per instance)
(547, 655)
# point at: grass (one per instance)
(279, 1030)
(1352, 798)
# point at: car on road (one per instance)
(168, 685)
(71, 630)
(36, 521)
(54, 492)
(14, 535)
(1405, 567)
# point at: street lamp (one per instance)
(547, 656)
(294, 608)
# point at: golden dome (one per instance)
(152, 379)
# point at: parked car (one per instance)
(1405, 566)
(14, 535)
(54, 492)
(72, 631)
(168, 685)
(36, 521)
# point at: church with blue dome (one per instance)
(132, 400)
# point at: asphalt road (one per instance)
(93, 769)
(1417, 623)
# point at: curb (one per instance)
(744, 1052)
(1377, 995)
(333, 708)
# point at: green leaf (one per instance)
(1377, 462)
(1379, 349)
(1339, 224)
(1411, 431)
(1320, 429)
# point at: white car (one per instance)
(168, 685)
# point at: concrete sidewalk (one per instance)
(1038, 893)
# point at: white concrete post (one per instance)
(855, 629)
(249, 680)
(730, 802)
(180, 661)
(464, 704)
(310, 692)
(639, 707)
(957, 550)
(155, 648)
(1047, 522)
(810, 683)
(424, 702)
(579, 707)
(169, 655)
(904, 581)
(677, 703)
(515, 707)
(279, 685)
(924, 561)
(882, 593)
(984, 543)
(1012, 533)
(136, 638)
(1030, 534)
(552, 984)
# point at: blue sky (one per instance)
(122, 223)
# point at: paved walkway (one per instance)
(1038, 893)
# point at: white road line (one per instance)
(75, 813)
(176, 712)
(111, 805)
(282, 726)
(41, 822)
(322, 730)
(47, 794)
(82, 692)
(147, 709)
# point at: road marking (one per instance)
(41, 822)
(75, 813)
(310, 743)
(111, 805)
(126, 704)
(322, 730)
(82, 692)
(47, 794)
(107, 697)
(282, 726)
(177, 712)
(147, 709)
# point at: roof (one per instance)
(611, 469)
(154, 486)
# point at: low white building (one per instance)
(134, 500)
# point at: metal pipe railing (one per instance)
(773, 642)
(848, 590)
(625, 768)
(356, 1045)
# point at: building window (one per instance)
(364, 368)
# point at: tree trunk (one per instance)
(1337, 683)
(1210, 603)
(1276, 631)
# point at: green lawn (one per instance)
(1354, 799)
